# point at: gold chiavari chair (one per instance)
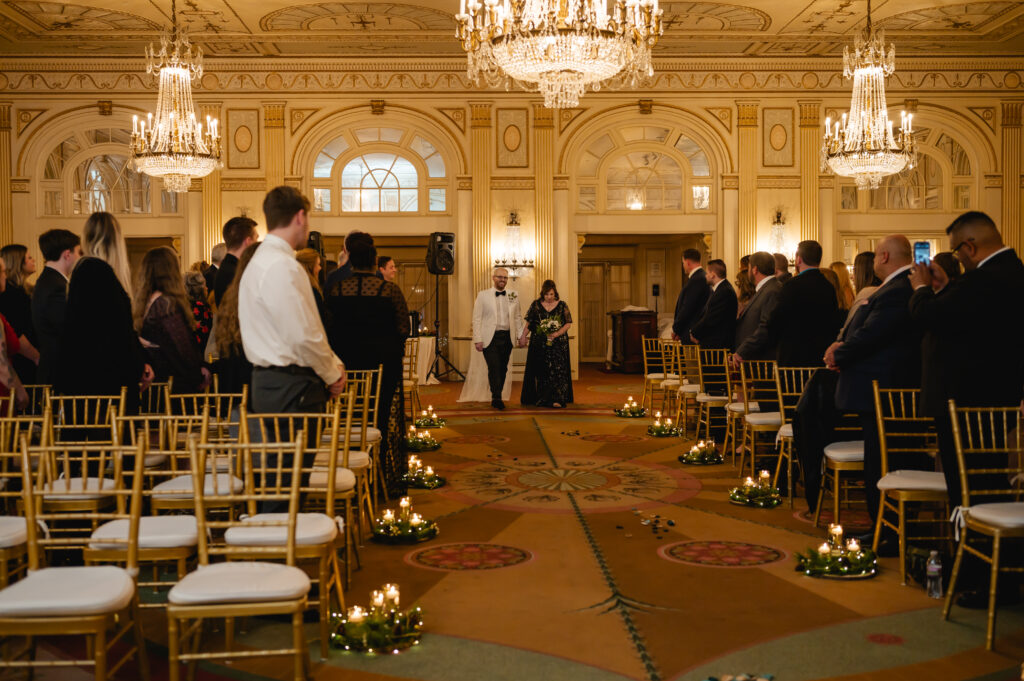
(990, 457)
(325, 479)
(410, 379)
(654, 370)
(38, 395)
(672, 360)
(790, 382)
(97, 601)
(244, 587)
(714, 385)
(223, 411)
(689, 373)
(905, 437)
(760, 403)
(153, 400)
(366, 440)
(842, 467)
(13, 534)
(84, 418)
(163, 539)
(734, 412)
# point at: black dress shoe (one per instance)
(977, 599)
(497, 404)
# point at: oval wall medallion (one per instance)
(777, 137)
(512, 137)
(243, 138)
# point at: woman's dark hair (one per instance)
(226, 331)
(548, 285)
(161, 273)
(361, 251)
(949, 264)
(382, 261)
(864, 271)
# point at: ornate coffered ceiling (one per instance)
(281, 28)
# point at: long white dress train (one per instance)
(476, 388)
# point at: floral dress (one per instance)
(204, 323)
(548, 377)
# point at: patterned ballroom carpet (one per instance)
(575, 547)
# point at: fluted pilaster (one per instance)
(544, 203)
(212, 218)
(810, 161)
(273, 132)
(746, 121)
(482, 142)
(6, 209)
(1010, 134)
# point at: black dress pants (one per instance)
(496, 355)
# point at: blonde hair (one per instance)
(308, 258)
(846, 292)
(103, 240)
(14, 256)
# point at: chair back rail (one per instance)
(989, 453)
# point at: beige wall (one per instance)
(725, 117)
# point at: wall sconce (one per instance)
(514, 257)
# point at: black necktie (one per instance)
(500, 293)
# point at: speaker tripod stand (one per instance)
(439, 355)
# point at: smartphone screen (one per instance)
(922, 252)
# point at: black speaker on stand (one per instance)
(440, 262)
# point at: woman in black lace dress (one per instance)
(367, 324)
(547, 381)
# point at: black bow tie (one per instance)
(500, 293)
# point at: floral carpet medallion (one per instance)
(597, 484)
(618, 438)
(477, 439)
(720, 553)
(468, 556)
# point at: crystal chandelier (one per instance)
(514, 258)
(557, 47)
(173, 144)
(863, 146)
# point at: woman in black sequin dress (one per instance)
(547, 381)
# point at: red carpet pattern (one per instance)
(721, 553)
(468, 556)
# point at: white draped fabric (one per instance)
(476, 388)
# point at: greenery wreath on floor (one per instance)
(702, 454)
(851, 562)
(755, 495)
(382, 628)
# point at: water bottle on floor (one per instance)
(934, 572)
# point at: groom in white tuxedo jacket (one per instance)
(496, 321)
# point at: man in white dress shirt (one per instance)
(294, 368)
(496, 317)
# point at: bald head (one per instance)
(892, 253)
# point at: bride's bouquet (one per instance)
(548, 326)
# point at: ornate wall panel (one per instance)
(243, 138)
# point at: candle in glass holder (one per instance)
(356, 614)
(764, 479)
(404, 505)
(389, 515)
(412, 430)
(835, 536)
(377, 599)
(429, 471)
(426, 435)
(415, 520)
(668, 422)
(391, 594)
(748, 482)
(657, 423)
(657, 414)
(423, 413)
(701, 444)
(824, 549)
(852, 545)
(430, 408)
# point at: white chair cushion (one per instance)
(12, 531)
(372, 433)
(786, 430)
(714, 399)
(310, 528)
(356, 459)
(768, 418)
(154, 460)
(737, 407)
(924, 481)
(57, 591)
(690, 388)
(155, 532)
(74, 490)
(181, 486)
(850, 450)
(670, 383)
(240, 582)
(657, 376)
(1006, 514)
(344, 479)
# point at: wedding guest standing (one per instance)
(233, 369)
(496, 318)
(368, 322)
(386, 268)
(547, 381)
(238, 233)
(716, 327)
(16, 307)
(163, 318)
(845, 283)
(782, 272)
(753, 341)
(61, 250)
(195, 287)
(216, 257)
(692, 297)
(310, 261)
(99, 351)
(294, 369)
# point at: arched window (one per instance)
(644, 168)
(91, 171)
(379, 170)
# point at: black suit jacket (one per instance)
(803, 323)
(880, 343)
(753, 340)
(225, 275)
(49, 301)
(211, 277)
(690, 304)
(975, 327)
(716, 328)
